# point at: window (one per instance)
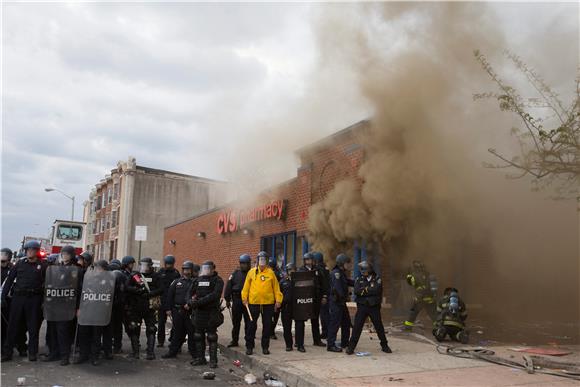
(118, 214)
(114, 219)
(104, 197)
(102, 225)
(110, 195)
(95, 226)
(69, 232)
(281, 246)
(107, 221)
(98, 202)
(116, 191)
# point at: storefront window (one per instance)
(281, 246)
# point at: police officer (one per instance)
(320, 297)
(118, 305)
(143, 292)
(321, 266)
(419, 278)
(167, 275)
(368, 291)
(273, 263)
(261, 295)
(60, 337)
(204, 300)
(339, 316)
(233, 297)
(5, 257)
(177, 298)
(26, 281)
(286, 288)
(85, 260)
(451, 317)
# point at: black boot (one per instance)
(135, 346)
(213, 346)
(150, 347)
(199, 355)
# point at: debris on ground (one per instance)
(541, 351)
(237, 363)
(20, 381)
(360, 354)
(250, 379)
(392, 379)
(208, 375)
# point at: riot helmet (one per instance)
(146, 265)
(52, 259)
(115, 264)
(262, 259)
(6, 253)
(273, 263)
(186, 268)
(207, 269)
(290, 268)
(342, 260)
(68, 252)
(169, 261)
(127, 262)
(308, 259)
(195, 270)
(101, 265)
(366, 268)
(245, 262)
(318, 258)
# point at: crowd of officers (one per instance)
(192, 300)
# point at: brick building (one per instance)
(275, 221)
(134, 195)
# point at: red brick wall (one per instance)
(322, 166)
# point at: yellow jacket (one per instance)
(261, 287)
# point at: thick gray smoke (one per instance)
(424, 193)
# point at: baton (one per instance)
(248, 309)
(75, 343)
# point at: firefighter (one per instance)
(321, 266)
(339, 316)
(273, 263)
(320, 296)
(204, 300)
(143, 300)
(286, 288)
(262, 296)
(26, 281)
(420, 280)
(167, 275)
(233, 297)
(368, 290)
(451, 317)
(118, 305)
(179, 313)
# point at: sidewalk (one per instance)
(412, 363)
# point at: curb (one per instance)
(290, 376)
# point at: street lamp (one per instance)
(72, 216)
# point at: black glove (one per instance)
(194, 304)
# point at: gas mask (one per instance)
(454, 303)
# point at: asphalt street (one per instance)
(121, 371)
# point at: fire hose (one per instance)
(531, 364)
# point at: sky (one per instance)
(223, 91)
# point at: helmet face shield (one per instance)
(262, 261)
(206, 270)
(145, 267)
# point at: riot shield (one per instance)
(61, 292)
(303, 292)
(97, 298)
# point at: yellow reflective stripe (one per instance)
(409, 323)
(453, 323)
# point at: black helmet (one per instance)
(245, 258)
(103, 264)
(307, 256)
(195, 268)
(365, 267)
(7, 251)
(290, 267)
(146, 260)
(115, 264)
(318, 257)
(262, 254)
(51, 259)
(186, 265)
(127, 260)
(87, 258)
(207, 269)
(32, 245)
(169, 260)
(273, 262)
(208, 263)
(69, 250)
(341, 259)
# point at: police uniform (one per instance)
(233, 294)
(26, 281)
(21, 338)
(261, 291)
(286, 313)
(324, 315)
(142, 287)
(204, 299)
(320, 293)
(166, 278)
(117, 311)
(339, 316)
(276, 315)
(60, 333)
(369, 295)
(177, 297)
(424, 298)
